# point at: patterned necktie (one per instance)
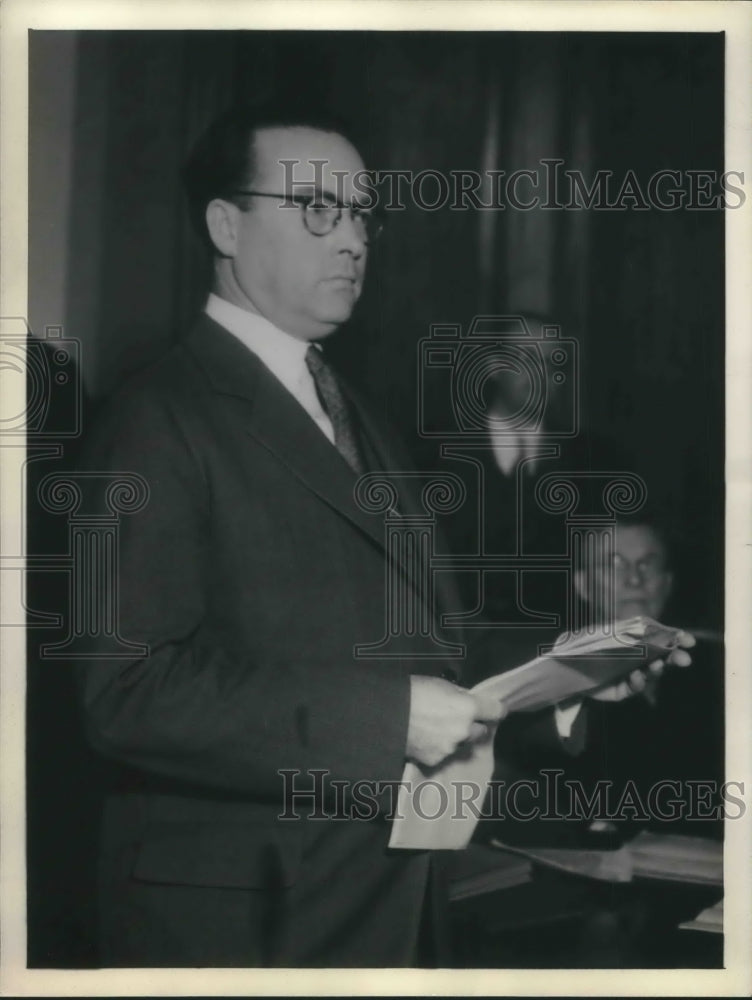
(337, 409)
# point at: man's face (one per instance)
(641, 578)
(306, 285)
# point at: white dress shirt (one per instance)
(510, 448)
(283, 354)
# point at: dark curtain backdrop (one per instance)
(641, 291)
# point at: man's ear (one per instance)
(222, 223)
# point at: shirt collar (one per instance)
(511, 446)
(283, 354)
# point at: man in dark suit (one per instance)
(250, 576)
(680, 720)
(532, 432)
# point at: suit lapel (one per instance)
(390, 457)
(274, 418)
(394, 459)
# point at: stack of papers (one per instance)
(675, 858)
(710, 920)
(482, 869)
(580, 664)
(432, 807)
(605, 866)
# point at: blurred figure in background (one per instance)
(673, 730)
(680, 720)
(530, 396)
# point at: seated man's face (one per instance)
(641, 578)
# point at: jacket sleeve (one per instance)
(194, 708)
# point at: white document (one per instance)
(438, 808)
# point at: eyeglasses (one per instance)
(321, 217)
(649, 568)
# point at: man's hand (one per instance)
(442, 716)
(639, 679)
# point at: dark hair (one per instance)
(663, 526)
(657, 520)
(222, 159)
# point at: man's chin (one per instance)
(333, 311)
(336, 314)
(328, 323)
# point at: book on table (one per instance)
(481, 869)
(677, 858)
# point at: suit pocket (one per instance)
(236, 856)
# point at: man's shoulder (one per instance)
(196, 363)
(169, 375)
(167, 398)
(164, 386)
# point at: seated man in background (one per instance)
(680, 722)
(642, 577)
(673, 731)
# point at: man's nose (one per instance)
(349, 236)
(634, 576)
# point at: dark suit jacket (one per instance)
(251, 574)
